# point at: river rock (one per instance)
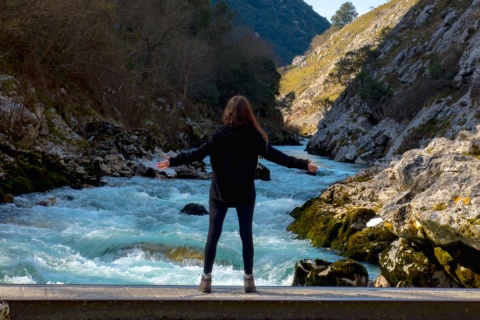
(157, 251)
(194, 209)
(4, 311)
(194, 170)
(460, 262)
(262, 173)
(405, 265)
(319, 272)
(381, 282)
(144, 171)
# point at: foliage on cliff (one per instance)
(288, 25)
(309, 76)
(164, 65)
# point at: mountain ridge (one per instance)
(288, 25)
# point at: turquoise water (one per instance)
(124, 232)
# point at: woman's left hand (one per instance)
(311, 167)
(162, 165)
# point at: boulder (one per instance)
(144, 171)
(157, 251)
(369, 243)
(262, 173)
(194, 209)
(195, 170)
(403, 264)
(318, 272)
(461, 263)
(4, 311)
(381, 282)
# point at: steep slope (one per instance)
(423, 81)
(308, 76)
(288, 25)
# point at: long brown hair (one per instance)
(239, 112)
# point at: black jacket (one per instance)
(234, 152)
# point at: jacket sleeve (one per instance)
(282, 159)
(190, 156)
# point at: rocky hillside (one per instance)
(288, 25)
(413, 111)
(422, 81)
(308, 76)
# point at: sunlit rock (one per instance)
(4, 311)
(318, 272)
(403, 264)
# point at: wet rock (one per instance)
(262, 173)
(47, 203)
(319, 272)
(8, 198)
(194, 209)
(157, 252)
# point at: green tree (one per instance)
(344, 15)
(347, 67)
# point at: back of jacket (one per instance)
(234, 152)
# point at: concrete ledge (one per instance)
(185, 302)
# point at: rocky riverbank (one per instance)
(428, 205)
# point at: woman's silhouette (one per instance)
(234, 149)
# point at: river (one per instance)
(131, 231)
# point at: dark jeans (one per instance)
(245, 219)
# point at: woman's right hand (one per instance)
(162, 165)
(311, 167)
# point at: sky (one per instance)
(327, 8)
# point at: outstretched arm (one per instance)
(183, 158)
(282, 159)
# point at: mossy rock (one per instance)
(17, 184)
(156, 251)
(353, 221)
(460, 262)
(307, 270)
(315, 222)
(319, 272)
(403, 263)
(368, 244)
(326, 226)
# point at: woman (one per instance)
(234, 149)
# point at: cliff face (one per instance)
(308, 76)
(421, 82)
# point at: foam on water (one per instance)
(123, 232)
